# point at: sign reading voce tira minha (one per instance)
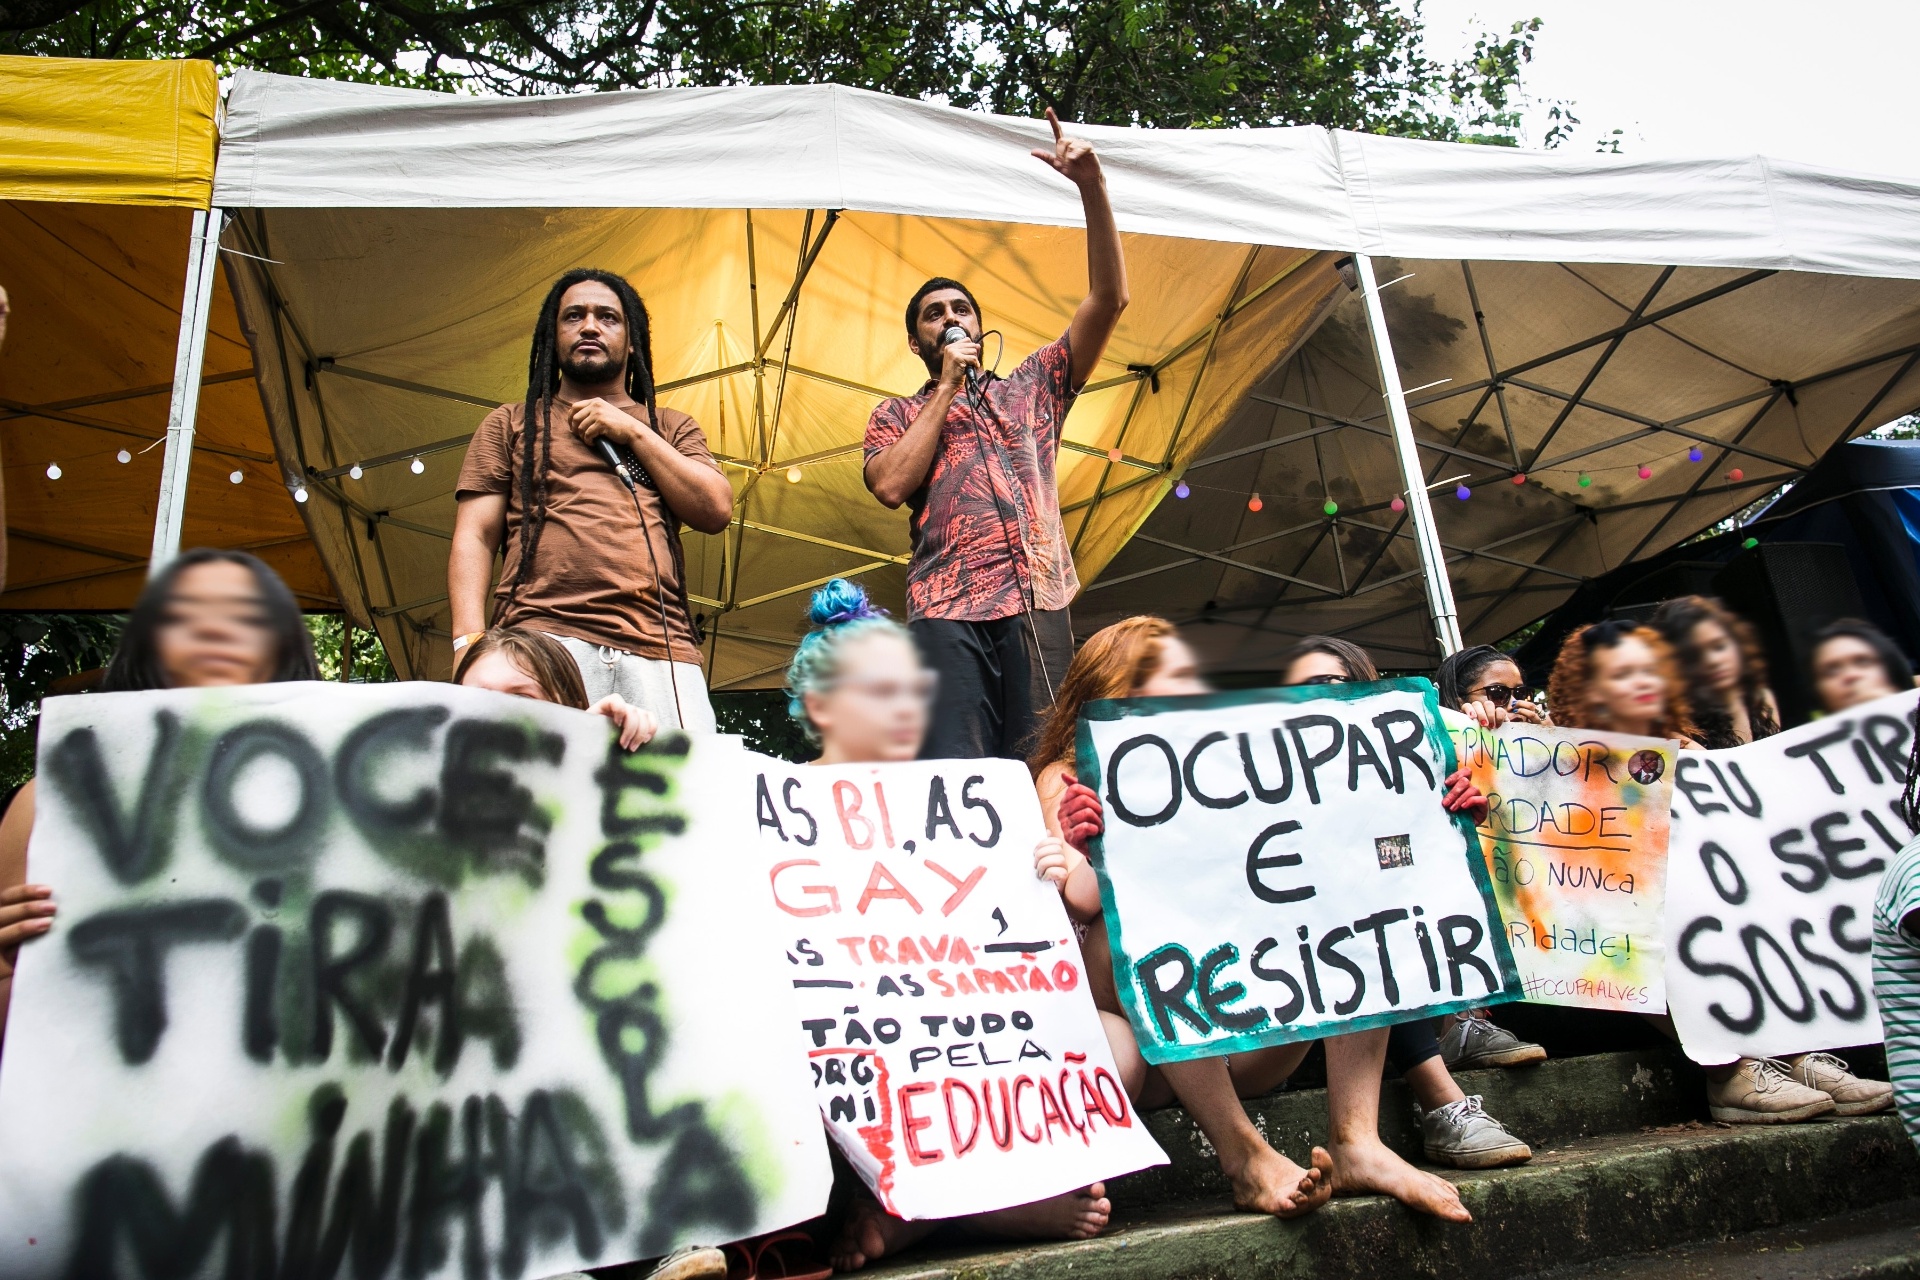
(1277, 866)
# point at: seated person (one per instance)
(1619, 676)
(532, 664)
(1143, 657)
(1855, 662)
(860, 692)
(1896, 951)
(1485, 684)
(210, 618)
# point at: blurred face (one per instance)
(1847, 672)
(1627, 688)
(496, 671)
(1720, 657)
(1317, 668)
(591, 333)
(1176, 674)
(939, 309)
(875, 709)
(214, 629)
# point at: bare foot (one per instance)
(1271, 1183)
(1077, 1215)
(1370, 1166)
(871, 1233)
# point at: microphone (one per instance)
(624, 464)
(954, 333)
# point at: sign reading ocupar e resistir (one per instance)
(1277, 866)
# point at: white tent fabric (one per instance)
(294, 143)
(402, 239)
(385, 322)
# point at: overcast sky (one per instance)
(1831, 81)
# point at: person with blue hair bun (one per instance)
(859, 690)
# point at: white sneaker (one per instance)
(1462, 1136)
(1762, 1091)
(1851, 1095)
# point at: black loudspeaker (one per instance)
(1638, 599)
(1789, 590)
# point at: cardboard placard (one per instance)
(402, 979)
(1277, 866)
(1776, 853)
(957, 1056)
(1576, 847)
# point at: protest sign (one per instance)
(434, 979)
(1776, 852)
(955, 1052)
(1576, 846)
(1251, 836)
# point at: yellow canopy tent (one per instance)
(106, 169)
(398, 245)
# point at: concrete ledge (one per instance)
(1558, 1102)
(1592, 1199)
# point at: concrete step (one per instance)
(1558, 1102)
(1881, 1243)
(1584, 1201)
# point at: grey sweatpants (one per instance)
(644, 682)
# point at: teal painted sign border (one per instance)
(1091, 771)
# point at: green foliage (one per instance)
(760, 716)
(370, 663)
(37, 649)
(1352, 64)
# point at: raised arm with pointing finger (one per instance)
(973, 456)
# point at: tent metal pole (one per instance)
(196, 307)
(1433, 562)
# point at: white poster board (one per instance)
(432, 980)
(1277, 866)
(1576, 846)
(1776, 852)
(955, 1052)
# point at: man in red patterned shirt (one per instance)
(973, 456)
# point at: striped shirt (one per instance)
(1896, 981)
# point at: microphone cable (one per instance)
(626, 466)
(978, 402)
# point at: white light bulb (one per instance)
(417, 466)
(236, 476)
(124, 456)
(300, 494)
(793, 475)
(53, 471)
(354, 472)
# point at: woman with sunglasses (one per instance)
(861, 694)
(209, 618)
(1485, 684)
(1621, 676)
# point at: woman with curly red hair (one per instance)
(1622, 676)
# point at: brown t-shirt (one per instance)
(591, 577)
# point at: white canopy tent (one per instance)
(401, 241)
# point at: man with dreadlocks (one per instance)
(590, 559)
(973, 456)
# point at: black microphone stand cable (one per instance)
(659, 584)
(977, 400)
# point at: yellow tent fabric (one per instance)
(98, 132)
(101, 164)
